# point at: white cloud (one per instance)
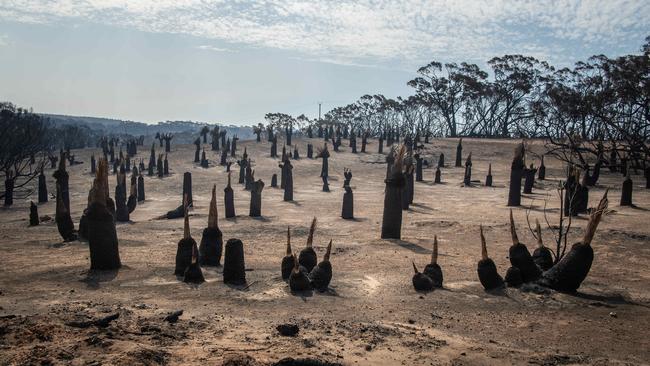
(4, 40)
(365, 32)
(213, 48)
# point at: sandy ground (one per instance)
(370, 316)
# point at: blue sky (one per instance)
(233, 61)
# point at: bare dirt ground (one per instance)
(370, 316)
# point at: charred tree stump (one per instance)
(234, 267)
(582, 194)
(224, 157)
(488, 178)
(242, 170)
(62, 178)
(185, 246)
(289, 260)
(204, 160)
(459, 154)
(321, 275)
(324, 154)
(520, 256)
(542, 255)
(161, 169)
(229, 200)
(421, 282)
(529, 180)
(568, 274)
(166, 165)
(307, 257)
(141, 195)
(121, 210)
(441, 160)
(233, 146)
(310, 151)
(152, 158)
(168, 142)
(42, 188)
(433, 270)
(102, 236)
(418, 168)
(626, 191)
(212, 240)
(487, 270)
(391, 227)
(287, 168)
(249, 176)
(438, 177)
(570, 194)
(274, 147)
(646, 174)
(380, 149)
(348, 204)
(187, 188)
(33, 214)
(62, 217)
(256, 199)
(516, 173)
(274, 181)
(467, 177)
(9, 189)
(93, 166)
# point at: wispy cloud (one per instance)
(374, 32)
(4, 40)
(215, 49)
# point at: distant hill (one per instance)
(107, 126)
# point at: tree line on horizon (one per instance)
(598, 106)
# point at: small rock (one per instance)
(613, 314)
(288, 330)
(368, 347)
(173, 317)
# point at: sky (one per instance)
(233, 61)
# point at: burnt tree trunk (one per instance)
(42, 188)
(287, 168)
(530, 180)
(234, 266)
(516, 172)
(102, 238)
(348, 204)
(256, 199)
(33, 214)
(229, 200)
(187, 188)
(9, 191)
(626, 192)
(391, 226)
(141, 188)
